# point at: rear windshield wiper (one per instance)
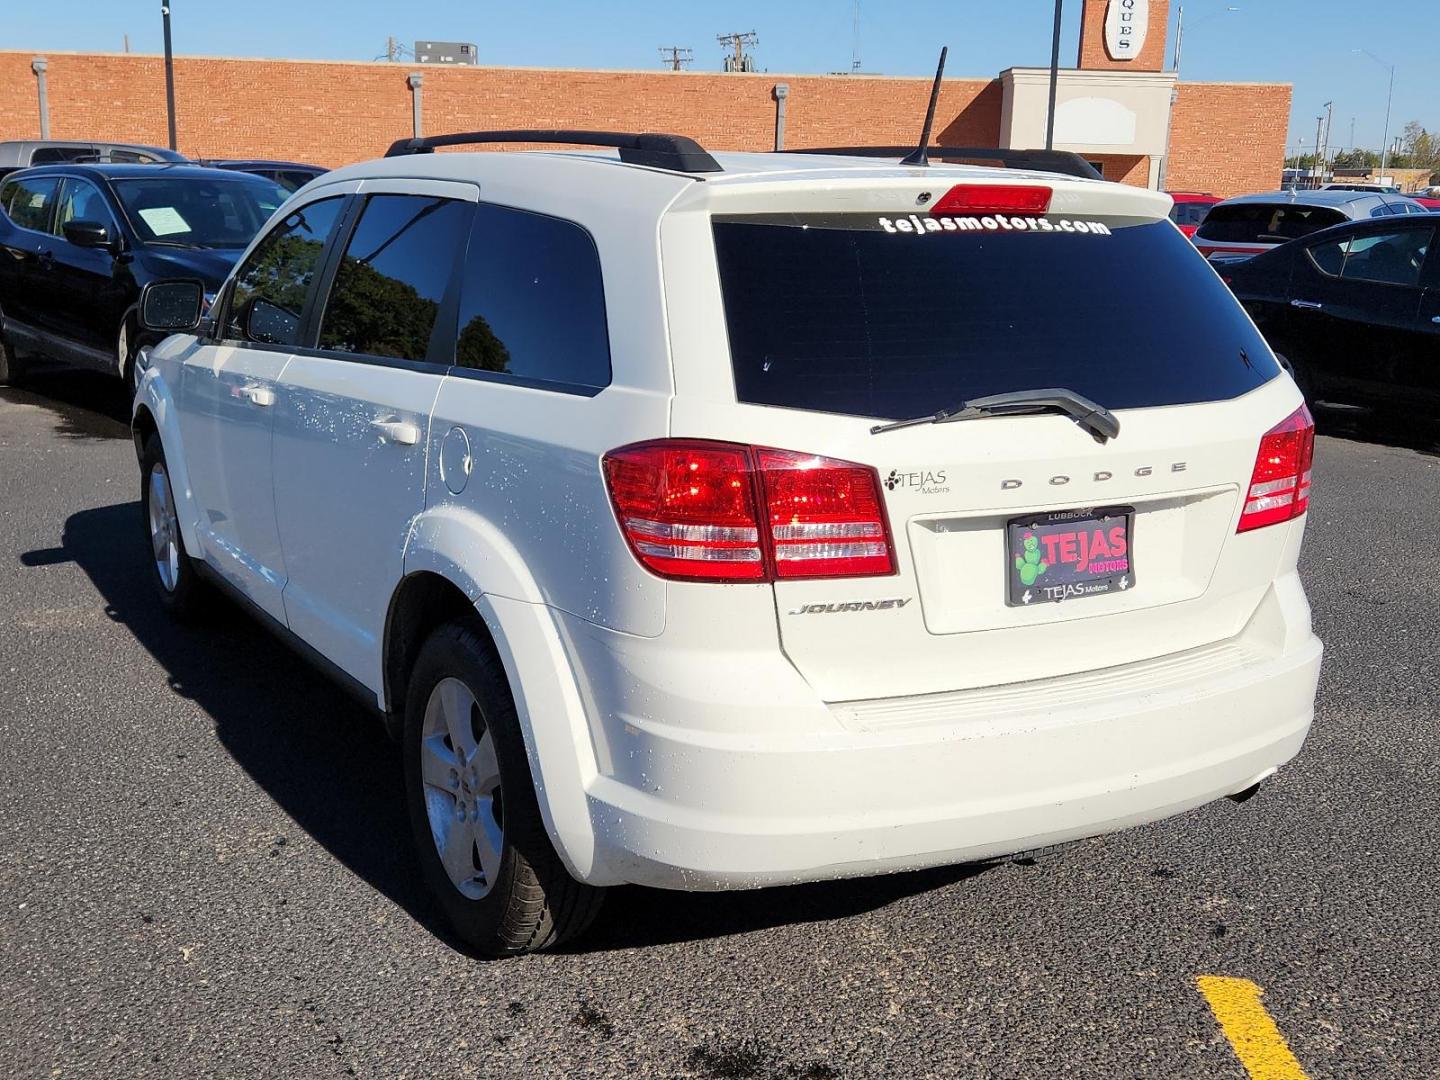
(1096, 419)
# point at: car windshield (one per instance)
(1266, 223)
(883, 317)
(198, 211)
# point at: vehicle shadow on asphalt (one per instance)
(320, 756)
(634, 917)
(85, 404)
(327, 764)
(1363, 426)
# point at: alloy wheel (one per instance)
(164, 528)
(461, 777)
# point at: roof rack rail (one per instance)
(674, 152)
(1055, 161)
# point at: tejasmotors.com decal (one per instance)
(916, 225)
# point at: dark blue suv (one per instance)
(80, 242)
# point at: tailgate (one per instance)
(946, 620)
(804, 314)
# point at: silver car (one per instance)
(22, 153)
(1243, 227)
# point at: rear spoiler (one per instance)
(1052, 161)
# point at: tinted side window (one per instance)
(268, 302)
(29, 201)
(396, 267)
(1392, 258)
(81, 200)
(50, 154)
(1330, 257)
(533, 303)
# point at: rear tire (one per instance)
(11, 369)
(482, 844)
(179, 587)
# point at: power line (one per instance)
(394, 50)
(736, 58)
(676, 57)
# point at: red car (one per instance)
(1190, 209)
(1427, 201)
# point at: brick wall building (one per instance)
(1225, 138)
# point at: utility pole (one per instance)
(169, 74)
(855, 42)
(738, 59)
(1319, 130)
(676, 57)
(1389, 97)
(1054, 79)
(1329, 116)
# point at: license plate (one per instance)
(1069, 554)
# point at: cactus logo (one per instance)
(1028, 561)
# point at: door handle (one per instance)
(1436, 320)
(400, 432)
(1307, 305)
(261, 396)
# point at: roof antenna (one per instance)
(920, 155)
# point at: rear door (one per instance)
(27, 284)
(229, 390)
(837, 322)
(1355, 302)
(352, 421)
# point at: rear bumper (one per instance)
(876, 787)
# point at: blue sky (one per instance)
(1305, 42)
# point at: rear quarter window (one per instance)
(532, 302)
(840, 314)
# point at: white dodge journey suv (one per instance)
(718, 522)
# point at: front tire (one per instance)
(125, 351)
(482, 844)
(179, 587)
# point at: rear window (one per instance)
(841, 314)
(1189, 213)
(1266, 223)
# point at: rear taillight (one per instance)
(1280, 485)
(707, 511)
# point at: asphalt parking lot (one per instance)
(205, 868)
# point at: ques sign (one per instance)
(1125, 24)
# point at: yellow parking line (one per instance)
(1256, 1040)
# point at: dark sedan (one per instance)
(1354, 311)
(79, 242)
(291, 175)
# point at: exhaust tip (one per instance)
(1250, 790)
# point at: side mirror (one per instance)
(172, 307)
(90, 234)
(269, 324)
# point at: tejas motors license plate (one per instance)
(1069, 554)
